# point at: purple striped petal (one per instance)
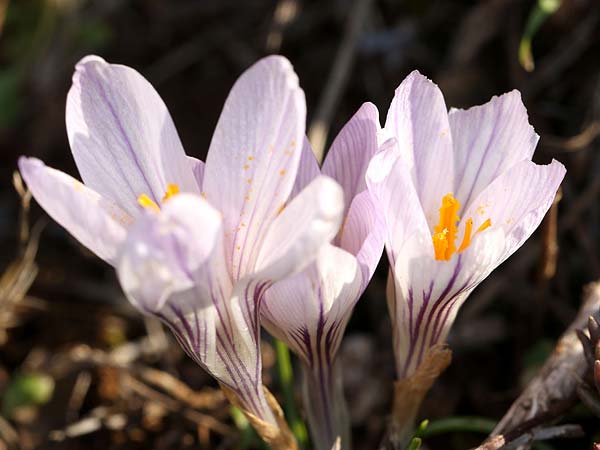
(351, 151)
(517, 201)
(254, 155)
(96, 222)
(418, 119)
(309, 311)
(122, 136)
(488, 140)
(363, 234)
(172, 251)
(173, 266)
(428, 293)
(308, 169)
(495, 180)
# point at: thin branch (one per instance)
(338, 78)
(537, 434)
(553, 391)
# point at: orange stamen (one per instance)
(445, 232)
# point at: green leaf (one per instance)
(27, 390)
(415, 444)
(538, 15)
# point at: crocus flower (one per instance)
(309, 311)
(460, 194)
(194, 244)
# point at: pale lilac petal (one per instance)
(419, 120)
(122, 136)
(351, 151)
(309, 312)
(302, 309)
(390, 184)
(363, 234)
(488, 140)
(308, 169)
(173, 266)
(427, 294)
(253, 157)
(517, 201)
(96, 222)
(310, 221)
(197, 170)
(172, 251)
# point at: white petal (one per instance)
(517, 201)
(308, 223)
(488, 140)
(308, 169)
(351, 151)
(419, 120)
(122, 136)
(303, 309)
(96, 222)
(253, 157)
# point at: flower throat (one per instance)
(446, 231)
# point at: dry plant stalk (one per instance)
(409, 393)
(20, 274)
(278, 437)
(553, 390)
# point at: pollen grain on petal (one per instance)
(281, 208)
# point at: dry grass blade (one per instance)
(20, 274)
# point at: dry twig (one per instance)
(537, 434)
(552, 391)
(338, 78)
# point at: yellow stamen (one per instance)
(172, 189)
(146, 202)
(484, 226)
(445, 232)
(467, 237)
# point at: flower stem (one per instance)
(326, 406)
(286, 379)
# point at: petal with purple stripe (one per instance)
(122, 136)
(488, 140)
(253, 157)
(418, 119)
(351, 151)
(96, 222)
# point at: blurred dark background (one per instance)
(79, 369)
